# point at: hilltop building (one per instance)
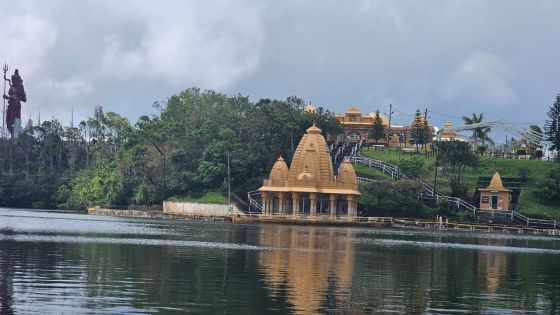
(309, 186)
(357, 127)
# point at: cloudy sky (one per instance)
(500, 58)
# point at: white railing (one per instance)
(428, 190)
(396, 174)
(253, 203)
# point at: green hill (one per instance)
(535, 171)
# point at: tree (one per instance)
(427, 133)
(455, 156)
(377, 128)
(411, 167)
(480, 133)
(552, 127)
(417, 132)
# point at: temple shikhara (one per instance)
(309, 186)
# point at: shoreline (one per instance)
(365, 222)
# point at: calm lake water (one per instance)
(66, 263)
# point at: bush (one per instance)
(396, 199)
(538, 154)
(411, 167)
(549, 188)
(523, 173)
(208, 197)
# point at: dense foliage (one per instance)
(411, 167)
(393, 198)
(549, 187)
(183, 150)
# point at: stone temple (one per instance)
(309, 187)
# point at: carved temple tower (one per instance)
(309, 186)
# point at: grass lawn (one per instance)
(529, 204)
(209, 197)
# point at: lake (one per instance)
(66, 263)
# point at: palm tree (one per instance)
(478, 133)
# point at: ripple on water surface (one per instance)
(59, 262)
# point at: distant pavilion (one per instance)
(309, 186)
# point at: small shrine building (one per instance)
(495, 196)
(309, 186)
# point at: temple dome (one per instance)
(312, 156)
(448, 134)
(309, 108)
(346, 174)
(313, 129)
(496, 182)
(279, 170)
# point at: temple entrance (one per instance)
(494, 202)
(323, 204)
(304, 204)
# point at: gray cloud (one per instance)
(452, 57)
(481, 77)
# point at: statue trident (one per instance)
(4, 108)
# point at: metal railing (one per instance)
(253, 203)
(429, 192)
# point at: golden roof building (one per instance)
(309, 186)
(356, 125)
(446, 134)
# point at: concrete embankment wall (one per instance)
(126, 213)
(199, 209)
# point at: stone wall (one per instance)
(199, 209)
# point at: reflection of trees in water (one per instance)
(315, 269)
(200, 280)
(6, 287)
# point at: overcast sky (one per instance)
(501, 58)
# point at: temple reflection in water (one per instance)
(315, 270)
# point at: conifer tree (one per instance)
(552, 127)
(427, 134)
(417, 132)
(377, 129)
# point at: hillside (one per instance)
(529, 204)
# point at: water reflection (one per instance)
(315, 273)
(6, 286)
(69, 263)
(493, 265)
